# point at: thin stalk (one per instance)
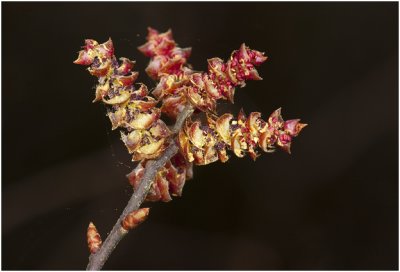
(98, 259)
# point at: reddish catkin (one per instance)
(93, 238)
(168, 65)
(145, 134)
(222, 78)
(130, 109)
(134, 219)
(178, 84)
(166, 57)
(204, 144)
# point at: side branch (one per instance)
(97, 260)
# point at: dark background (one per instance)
(332, 204)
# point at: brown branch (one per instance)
(187, 111)
(97, 260)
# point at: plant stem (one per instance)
(182, 117)
(97, 260)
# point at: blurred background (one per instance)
(332, 204)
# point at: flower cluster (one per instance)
(168, 65)
(223, 77)
(131, 109)
(166, 57)
(204, 144)
(146, 136)
(178, 84)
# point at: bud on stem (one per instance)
(133, 219)
(93, 238)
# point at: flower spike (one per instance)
(131, 109)
(208, 143)
(202, 90)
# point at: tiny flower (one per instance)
(210, 155)
(173, 105)
(196, 136)
(163, 186)
(293, 127)
(176, 180)
(132, 141)
(223, 128)
(222, 155)
(216, 66)
(136, 175)
(117, 118)
(252, 122)
(171, 66)
(144, 120)
(147, 104)
(149, 151)
(126, 80)
(105, 49)
(267, 141)
(237, 146)
(284, 142)
(159, 130)
(185, 146)
(142, 91)
(84, 58)
(102, 70)
(125, 67)
(200, 99)
(181, 52)
(90, 44)
(155, 66)
(168, 85)
(101, 91)
(119, 99)
(211, 88)
(157, 44)
(275, 120)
